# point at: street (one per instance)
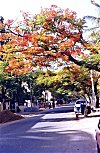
(53, 132)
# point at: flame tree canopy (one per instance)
(54, 35)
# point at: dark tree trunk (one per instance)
(97, 101)
(96, 93)
(19, 93)
(3, 98)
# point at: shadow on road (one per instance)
(93, 115)
(48, 139)
(45, 134)
(58, 119)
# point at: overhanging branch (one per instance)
(80, 63)
(94, 3)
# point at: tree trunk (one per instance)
(96, 93)
(3, 98)
(97, 101)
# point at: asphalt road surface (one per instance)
(51, 132)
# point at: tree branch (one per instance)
(15, 33)
(94, 3)
(80, 63)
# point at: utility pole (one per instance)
(93, 92)
(31, 93)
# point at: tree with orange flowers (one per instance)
(54, 35)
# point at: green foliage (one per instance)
(40, 19)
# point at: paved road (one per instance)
(50, 133)
(60, 109)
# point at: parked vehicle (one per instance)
(82, 107)
(32, 109)
(98, 137)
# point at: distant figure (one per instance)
(53, 104)
(49, 105)
(18, 109)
